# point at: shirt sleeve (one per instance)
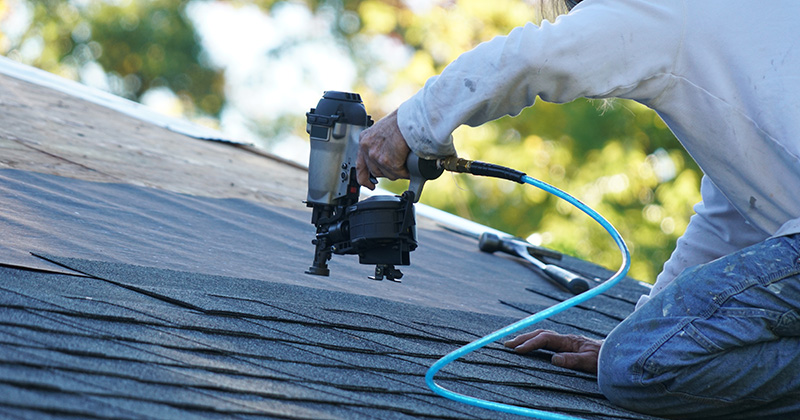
(716, 229)
(603, 48)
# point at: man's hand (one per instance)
(572, 351)
(382, 152)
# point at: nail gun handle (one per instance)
(419, 171)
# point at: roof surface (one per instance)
(147, 274)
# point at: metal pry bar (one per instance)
(489, 242)
(573, 282)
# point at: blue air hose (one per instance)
(485, 169)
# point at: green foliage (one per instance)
(142, 44)
(608, 159)
(620, 160)
(611, 158)
(155, 43)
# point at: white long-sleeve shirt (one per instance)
(724, 75)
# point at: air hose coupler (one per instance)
(475, 167)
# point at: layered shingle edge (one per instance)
(135, 339)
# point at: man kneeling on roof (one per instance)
(719, 335)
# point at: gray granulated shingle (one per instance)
(190, 355)
(240, 359)
(168, 332)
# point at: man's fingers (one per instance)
(572, 351)
(402, 171)
(516, 341)
(382, 152)
(584, 361)
(547, 340)
(362, 172)
(378, 167)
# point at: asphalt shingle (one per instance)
(179, 340)
(120, 301)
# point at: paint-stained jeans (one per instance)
(723, 340)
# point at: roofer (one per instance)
(719, 334)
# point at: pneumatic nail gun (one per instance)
(381, 229)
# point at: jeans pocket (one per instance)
(685, 348)
(788, 325)
(702, 339)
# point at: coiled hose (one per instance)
(486, 169)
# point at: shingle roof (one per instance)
(123, 296)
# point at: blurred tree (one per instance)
(139, 44)
(621, 160)
(153, 44)
(4, 12)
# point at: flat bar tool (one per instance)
(575, 283)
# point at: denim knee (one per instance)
(616, 372)
(622, 376)
(719, 341)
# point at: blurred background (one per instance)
(252, 68)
